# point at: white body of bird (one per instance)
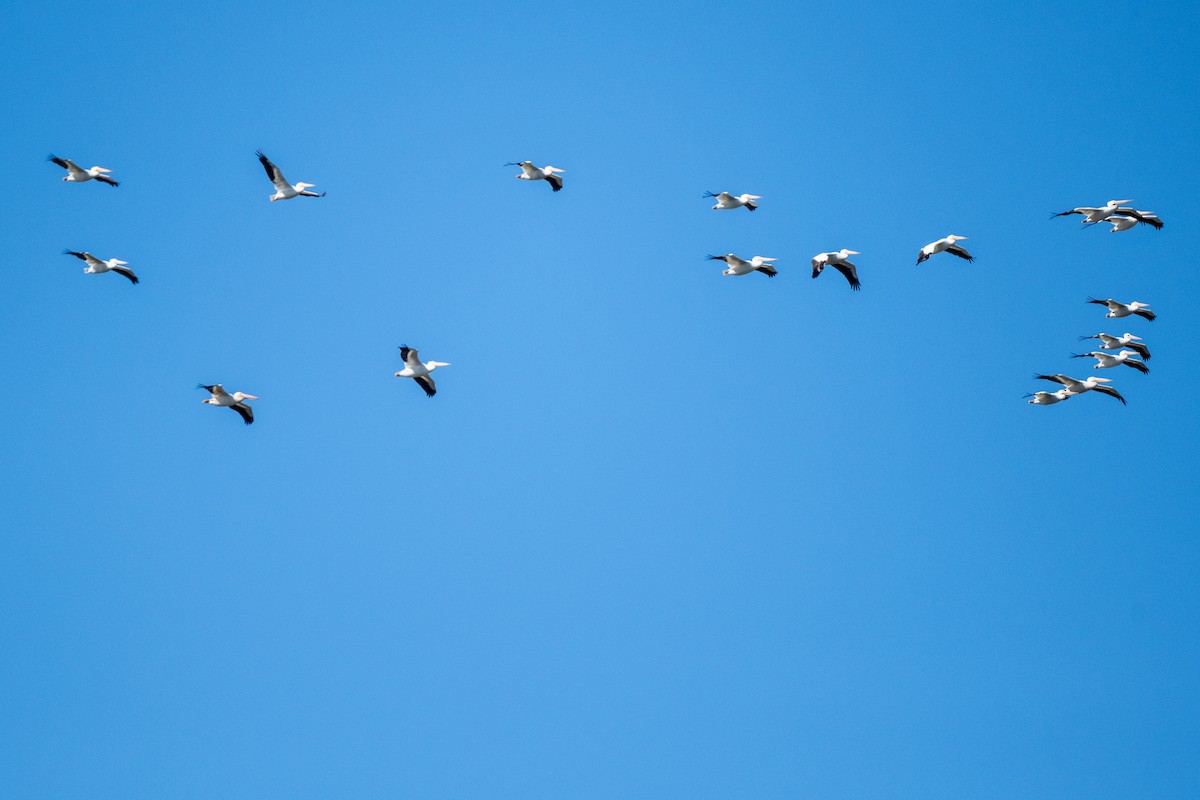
(532, 172)
(726, 201)
(419, 371)
(96, 266)
(1110, 360)
(283, 189)
(77, 174)
(1116, 310)
(1048, 398)
(947, 245)
(837, 260)
(739, 266)
(236, 401)
(1076, 386)
(1109, 342)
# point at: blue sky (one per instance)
(661, 533)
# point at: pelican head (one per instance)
(1132, 338)
(954, 238)
(102, 169)
(1094, 379)
(240, 396)
(302, 186)
(432, 365)
(850, 253)
(1115, 203)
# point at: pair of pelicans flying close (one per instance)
(414, 368)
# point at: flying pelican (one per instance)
(236, 401)
(413, 368)
(283, 189)
(949, 245)
(1117, 310)
(1111, 208)
(1076, 386)
(1108, 342)
(1048, 398)
(95, 266)
(838, 261)
(529, 172)
(1120, 222)
(726, 200)
(1107, 360)
(737, 266)
(77, 174)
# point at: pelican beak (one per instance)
(249, 397)
(854, 252)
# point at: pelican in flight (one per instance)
(1120, 222)
(1048, 398)
(948, 245)
(413, 368)
(1109, 342)
(838, 261)
(1117, 310)
(529, 172)
(95, 266)
(1108, 360)
(726, 200)
(1076, 386)
(738, 266)
(77, 174)
(283, 189)
(1112, 208)
(236, 401)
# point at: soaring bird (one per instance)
(1108, 360)
(236, 401)
(413, 368)
(283, 189)
(1109, 342)
(1117, 310)
(1112, 207)
(738, 266)
(948, 245)
(1048, 398)
(1076, 386)
(837, 260)
(77, 174)
(726, 200)
(529, 172)
(95, 266)
(1120, 222)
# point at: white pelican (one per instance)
(1109, 342)
(283, 189)
(838, 261)
(529, 172)
(413, 368)
(1120, 222)
(1108, 360)
(1076, 386)
(1111, 208)
(1048, 398)
(726, 200)
(1117, 310)
(77, 174)
(95, 266)
(738, 266)
(236, 401)
(949, 245)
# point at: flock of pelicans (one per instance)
(1115, 212)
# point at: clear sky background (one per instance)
(662, 533)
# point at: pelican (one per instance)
(1111, 208)
(1107, 360)
(738, 266)
(838, 261)
(529, 172)
(1076, 386)
(1048, 398)
(1109, 342)
(283, 189)
(725, 200)
(95, 266)
(1117, 310)
(236, 401)
(1120, 222)
(77, 174)
(413, 368)
(949, 245)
